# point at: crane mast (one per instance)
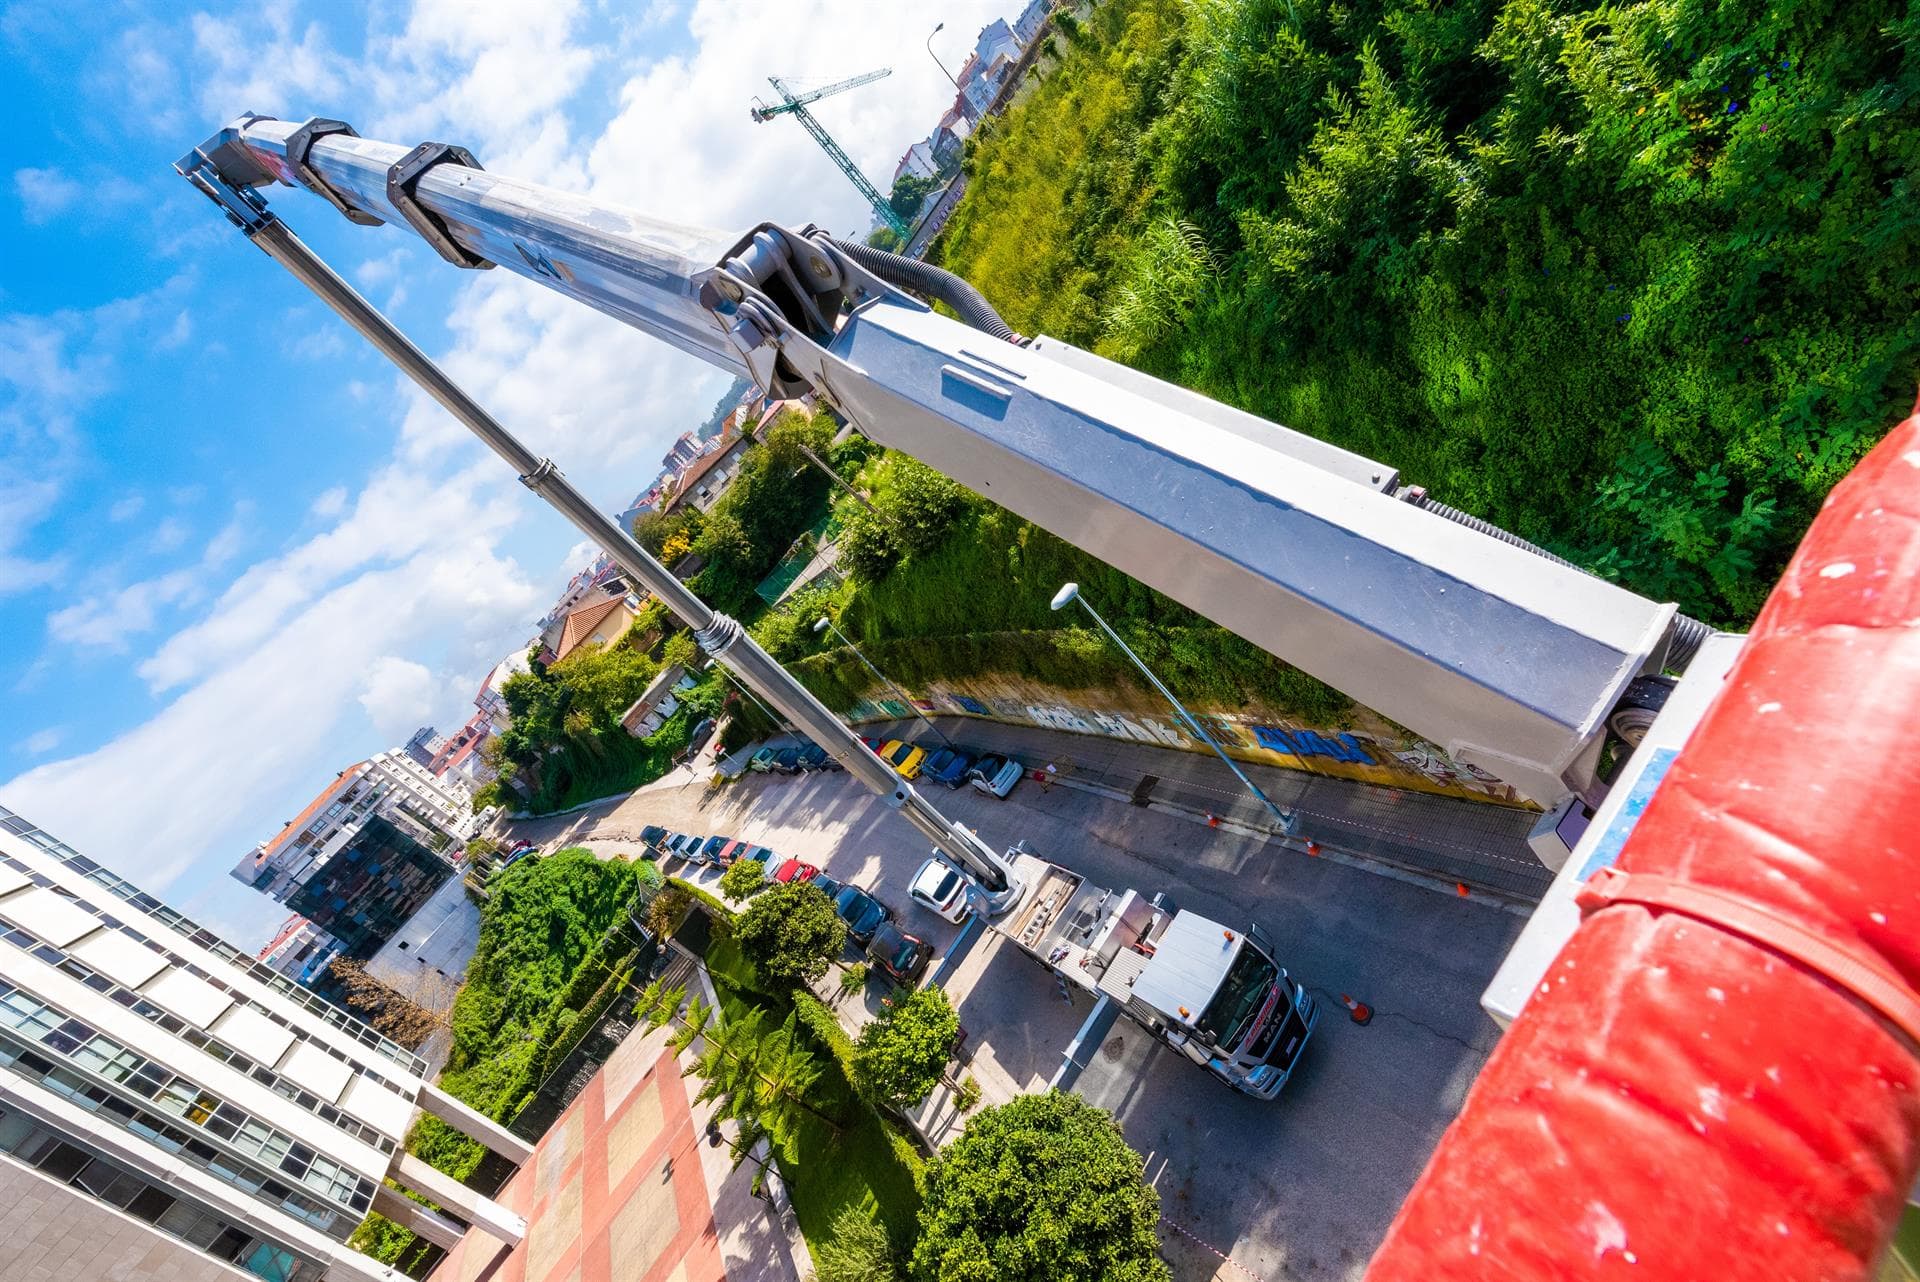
(796, 105)
(1513, 662)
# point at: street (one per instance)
(1300, 1187)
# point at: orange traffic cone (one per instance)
(1360, 1012)
(1460, 889)
(1313, 848)
(1213, 820)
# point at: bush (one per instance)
(901, 1056)
(967, 1095)
(853, 977)
(789, 932)
(743, 879)
(858, 1251)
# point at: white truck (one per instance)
(1217, 995)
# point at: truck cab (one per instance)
(1224, 1002)
(1215, 994)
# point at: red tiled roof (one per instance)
(582, 622)
(320, 802)
(690, 478)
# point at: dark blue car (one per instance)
(948, 765)
(862, 913)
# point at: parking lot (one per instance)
(1300, 1187)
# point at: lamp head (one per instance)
(939, 27)
(820, 624)
(1066, 596)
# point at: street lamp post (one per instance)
(823, 623)
(936, 57)
(1067, 595)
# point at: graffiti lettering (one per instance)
(967, 703)
(1308, 743)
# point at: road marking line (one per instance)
(1211, 1247)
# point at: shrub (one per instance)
(853, 977)
(902, 1055)
(743, 879)
(858, 1251)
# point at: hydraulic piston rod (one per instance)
(718, 634)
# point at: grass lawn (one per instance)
(867, 1164)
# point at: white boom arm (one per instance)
(1511, 660)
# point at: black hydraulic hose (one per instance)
(934, 282)
(1688, 633)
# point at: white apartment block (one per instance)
(171, 1108)
(392, 785)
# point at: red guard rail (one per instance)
(1720, 1076)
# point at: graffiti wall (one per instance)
(1372, 751)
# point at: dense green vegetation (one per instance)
(902, 1055)
(1636, 281)
(552, 957)
(859, 1162)
(1039, 1189)
(550, 945)
(945, 585)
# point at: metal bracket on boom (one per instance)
(405, 175)
(300, 142)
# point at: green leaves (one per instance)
(900, 1056)
(789, 932)
(1038, 1190)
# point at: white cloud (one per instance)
(110, 617)
(41, 742)
(169, 534)
(47, 194)
(126, 509)
(330, 503)
(399, 695)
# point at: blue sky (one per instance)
(236, 553)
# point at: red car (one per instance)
(730, 852)
(794, 871)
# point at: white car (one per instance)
(995, 775)
(940, 886)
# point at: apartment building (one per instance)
(170, 1107)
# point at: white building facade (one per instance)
(163, 1096)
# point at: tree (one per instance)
(743, 879)
(789, 932)
(901, 1055)
(908, 191)
(1036, 1190)
(884, 238)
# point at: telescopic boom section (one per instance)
(719, 635)
(1510, 661)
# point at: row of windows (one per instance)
(186, 1032)
(152, 1127)
(180, 963)
(106, 1181)
(275, 1150)
(198, 934)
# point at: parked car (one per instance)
(793, 871)
(949, 766)
(687, 846)
(698, 739)
(901, 956)
(653, 834)
(939, 886)
(788, 762)
(875, 744)
(759, 854)
(904, 757)
(995, 775)
(762, 761)
(814, 757)
(828, 886)
(709, 852)
(862, 913)
(730, 853)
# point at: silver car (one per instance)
(995, 775)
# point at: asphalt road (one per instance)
(1301, 1187)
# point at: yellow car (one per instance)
(903, 757)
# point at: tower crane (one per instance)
(795, 105)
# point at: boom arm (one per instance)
(793, 101)
(1511, 661)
